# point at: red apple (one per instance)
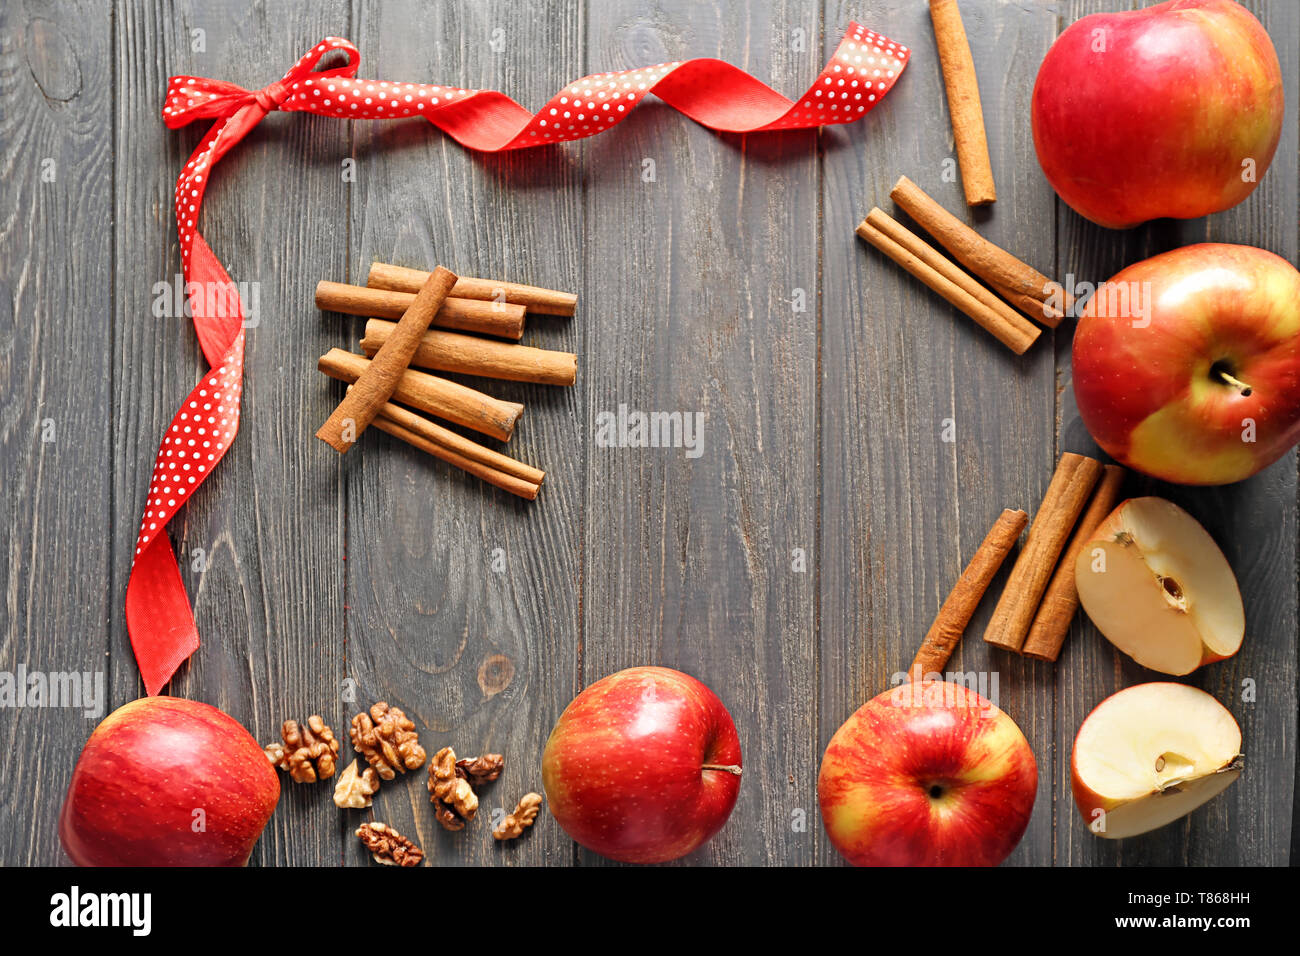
(1174, 110)
(167, 782)
(927, 774)
(643, 766)
(1200, 383)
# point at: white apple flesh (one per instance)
(1151, 754)
(1158, 587)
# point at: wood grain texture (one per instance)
(482, 659)
(56, 453)
(697, 278)
(903, 508)
(1254, 522)
(328, 583)
(269, 523)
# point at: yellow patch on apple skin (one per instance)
(853, 813)
(1278, 295)
(1166, 442)
(1000, 745)
(1245, 115)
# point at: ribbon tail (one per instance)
(158, 615)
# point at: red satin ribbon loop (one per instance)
(193, 97)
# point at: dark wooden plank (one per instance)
(902, 509)
(55, 375)
(691, 279)
(629, 556)
(1253, 521)
(482, 660)
(269, 521)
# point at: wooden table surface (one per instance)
(793, 566)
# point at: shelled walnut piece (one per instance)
(481, 769)
(308, 753)
(387, 739)
(516, 823)
(450, 793)
(389, 847)
(354, 789)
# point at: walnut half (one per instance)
(451, 794)
(481, 769)
(519, 821)
(387, 739)
(354, 790)
(308, 753)
(389, 847)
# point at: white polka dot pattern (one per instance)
(716, 94)
(711, 92)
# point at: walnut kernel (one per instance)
(389, 847)
(308, 753)
(454, 801)
(481, 769)
(387, 739)
(519, 821)
(354, 789)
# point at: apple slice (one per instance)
(1151, 754)
(1155, 583)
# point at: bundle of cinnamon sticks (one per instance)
(1040, 599)
(464, 309)
(1007, 280)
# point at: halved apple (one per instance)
(1151, 754)
(1158, 587)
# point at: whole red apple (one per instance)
(643, 766)
(1197, 379)
(927, 774)
(1174, 110)
(167, 782)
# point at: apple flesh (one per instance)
(1173, 110)
(1187, 365)
(167, 782)
(643, 766)
(1151, 754)
(927, 774)
(1159, 589)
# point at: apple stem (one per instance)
(1236, 383)
(727, 767)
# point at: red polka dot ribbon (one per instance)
(713, 93)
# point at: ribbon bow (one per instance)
(190, 97)
(862, 70)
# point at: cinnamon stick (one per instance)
(470, 355)
(1066, 496)
(961, 603)
(437, 396)
(467, 315)
(963, 103)
(989, 262)
(453, 441)
(1019, 333)
(375, 384)
(443, 443)
(1042, 312)
(1061, 599)
(500, 479)
(995, 322)
(534, 299)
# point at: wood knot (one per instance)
(52, 62)
(495, 674)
